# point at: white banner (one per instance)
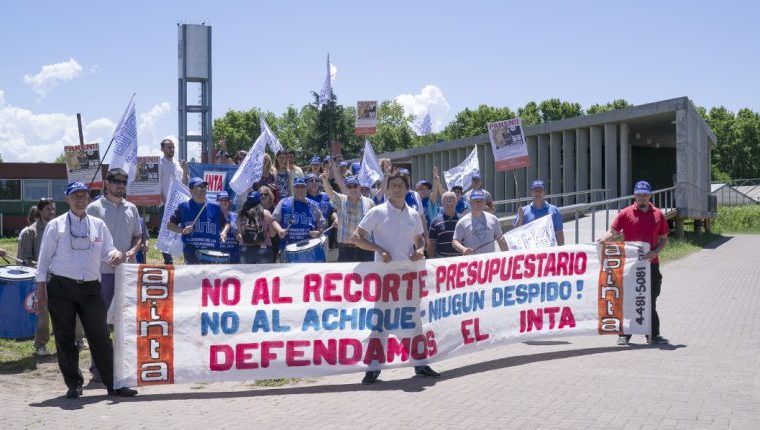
(535, 234)
(272, 142)
(203, 323)
(168, 241)
(462, 174)
(508, 144)
(250, 169)
(124, 155)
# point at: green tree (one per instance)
(238, 129)
(555, 110)
(529, 114)
(474, 122)
(393, 131)
(61, 158)
(613, 105)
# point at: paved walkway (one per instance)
(708, 378)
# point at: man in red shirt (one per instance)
(642, 222)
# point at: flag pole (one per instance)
(109, 144)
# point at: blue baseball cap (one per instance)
(352, 180)
(537, 184)
(477, 195)
(311, 177)
(424, 182)
(403, 172)
(343, 164)
(194, 182)
(299, 180)
(475, 176)
(222, 195)
(642, 187)
(355, 167)
(254, 198)
(74, 187)
(328, 158)
(315, 160)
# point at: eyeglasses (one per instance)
(117, 182)
(78, 240)
(313, 180)
(203, 187)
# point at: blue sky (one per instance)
(441, 56)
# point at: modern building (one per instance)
(667, 143)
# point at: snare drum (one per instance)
(307, 251)
(210, 256)
(17, 287)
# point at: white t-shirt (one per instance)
(395, 230)
(167, 169)
(473, 233)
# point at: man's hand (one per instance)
(436, 177)
(386, 257)
(417, 255)
(115, 259)
(282, 233)
(129, 255)
(187, 230)
(651, 255)
(222, 238)
(314, 234)
(468, 251)
(40, 298)
(183, 164)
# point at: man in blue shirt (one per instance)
(200, 223)
(540, 208)
(297, 218)
(462, 207)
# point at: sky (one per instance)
(89, 57)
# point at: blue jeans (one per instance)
(255, 255)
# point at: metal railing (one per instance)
(511, 205)
(664, 199)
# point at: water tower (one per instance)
(195, 78)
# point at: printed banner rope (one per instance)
(190, 324)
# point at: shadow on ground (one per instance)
(411, 385)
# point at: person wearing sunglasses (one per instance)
(123, 221)
(68, 284)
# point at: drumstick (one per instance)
(18, 260)
(487, 243)
(200, 212)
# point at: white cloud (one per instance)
(51, 74)
(430, 99)
(26, 136)
(2, 97)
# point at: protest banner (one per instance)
(83, 163)
(168, 241)
(218, 177)
(145, 188)
(508, 144)
(366, 118)
(203, 323)
(370, 171)
(536, 234)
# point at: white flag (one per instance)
(124, 155)
(272, 142)
(424, 127)
(326, 94)
(370, 171)
(462, 174)
(250, 169)
(168, 241)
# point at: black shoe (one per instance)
(426, 371)
(95, 375)
(371, 377)
(656, 339)
(74, 393)
(122, 392)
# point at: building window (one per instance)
(35, 189)
(10, 189)
(58, 189)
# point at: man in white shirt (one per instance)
(68, 283)
(168, 168)
(397, 235)
(476, 232)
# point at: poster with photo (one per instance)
(83, 163)
(510, 150)
(145, 189)
(366, 118)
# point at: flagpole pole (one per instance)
(109, 144)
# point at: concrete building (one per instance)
(666, 143)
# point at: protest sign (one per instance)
(203, 323)
(461, 175)
(366, 118)
(145, 188)
(508, 144)
(536, 234)
(82, 163)
(218, 177)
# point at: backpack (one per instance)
(253, 232)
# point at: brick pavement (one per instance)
(708, 377)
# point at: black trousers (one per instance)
(66, 300)
(348, 254)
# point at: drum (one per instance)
(307, 251)
(209, 256)
(17, 286)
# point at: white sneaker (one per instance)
(41, 352)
